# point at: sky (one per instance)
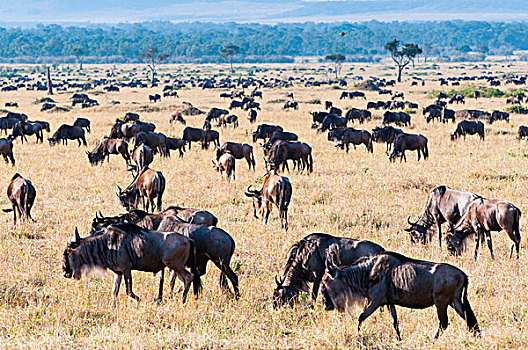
(263, 11)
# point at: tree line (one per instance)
(204, 42)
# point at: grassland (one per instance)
(357, 195)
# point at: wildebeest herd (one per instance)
(151, 235)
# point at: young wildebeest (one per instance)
(276, 190)
(411, 142)
(176, 144)
(6, 150)
(226, 162)
(386, 134)
(125, 247)
(482, 217)
(105, 148)
(523, 132)
(296, 151)
(306, 263)
(154, 98)
(83, 123)
(239, 151)
(392, 279)
(470, 128)
(21, 194)
(443, 205)
(147, 186)
(212, 243)
(67, 132)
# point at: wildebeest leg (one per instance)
(160, 290)
(477, 243)
(117, 284)
(392, 310)
(418, 151)
(268, 210)
(490, 244)
(369, 310)
(315, 286)
(186, 278)
(128, 283)
(441, 309)
(15, 208)
(227, 272)
(439, 232)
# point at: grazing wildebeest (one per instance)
(332, 122)
(356, 137)
(45, 125)
(67, 132)
(392, 279)
(191, 135)
(476, 94)
(458, 99)
(210, 136)
(125, 247)
(443, 205)
(142, 156)
(352, 94)
(483, 216)
(523, 132)
(432, 112)
(296, 151)
(6, 150)
(256, 93)
(27, 128)
(399, 118)
(236, 104)
(499, 115)
(448, 114)
(215, 113)
(291, 104)
(228, 119)
(279, 135)
(212, 243)
(176, 117)
(176, 144)
(276, 190)
(105, 148)
(306, 263)
(468, 127)
(411, 142)
(335, 111)
(155, 140)
(264, 131)
(360, 114)
(83, 123)
(226, 162)
(386, 134)
(328, 104)
(207, 125)
(21, 194)
(154, 98)
(239, 151)
(318, 117)
(147, 185)
(252, 116)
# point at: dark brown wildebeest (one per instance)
(252, 116)
(443, 205)
(105, 148)
(399, 118)
(448, 114)
(45, 125)
(352, 94)
(6, 150)
(279, 135)
(207, 125)
(482, 217)
(155, 140)
(27, 128)
(176, 117)
(67, 132)
(125, 247)
(191, 135)
(411, 142)
(212, 243)
(210, 136)
(328, 104)
(336, 111)
(476, 94)
(296, 151)
(356, 137)
(154, 98)
(8, 123)
(176, 144)
(472, 114)
(239, 151)
(458, 99)
(332, 122)
(306, 263)
(21, 194)
(226, 162)
(142, 156)
(228, 119)
(468, 127)
(499, 115)
(360, 114)
(83, 123)
(392, 279)
(265, 131)
(276, 190)
(147, 185)
(432, 112)
(236, 104)
(291, 104)
(523, 132)
(215, 113)
(386, 134)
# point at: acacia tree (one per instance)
(404, 56)
(78, 52)
(152, 58)
(228, 52)
(338, 60)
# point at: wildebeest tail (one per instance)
(27, 208)
(283, 199)
(191, 261)
(252, 158)
(426, 151)
(160, 189)
(371, 146)
(471, 320)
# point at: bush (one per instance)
(517, 109)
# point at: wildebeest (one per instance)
(411, 142)
(236, 104)
(355, 137)
(176, 144)
(252, 116)
(239, 151)
(106, 147)
(154, 98)
(226, 162)
(386, 134)
(352, 94)
(125, 247)
(499, 115)
(155, 140)
(83, 123)
(332, 122)
(265, 131)
(523, 132)
(142, 156)
(27, 128)
(468, 127)
(215, 113)
(291, 104)
(276, 190)
(176, 117)
(458, 99)
(212, 243)
(21, 193)
(399, 118)
(392, 279)
(67, 132)
(147, 185)
(296, 151)
(6, 150)
(228, 119)
(306, 263)
(45, 125)
(210, 136)
(360, 114)
(279, 135)
(191, 135)
(448, 114)
(481, 217)
(443, 205)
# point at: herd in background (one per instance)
(347, 271)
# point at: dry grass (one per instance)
(355, 195)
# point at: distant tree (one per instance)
(152, 58)
(404, 56)
(78, 52)
(464, 48)
(338, 60)
(228, 51)
(427, 49)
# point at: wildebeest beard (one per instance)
(79, 262)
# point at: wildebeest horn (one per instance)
(76, 237)
(278, 281)
(119, 188)
(411, 223)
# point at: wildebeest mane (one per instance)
(295, 275)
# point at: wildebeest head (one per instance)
(284, 294)
(417, 230)
(94, 157)
(456, 240)
(257, 200)
(52, 141)
(127, 197)
(70, 268)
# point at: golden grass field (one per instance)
(358, 195)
